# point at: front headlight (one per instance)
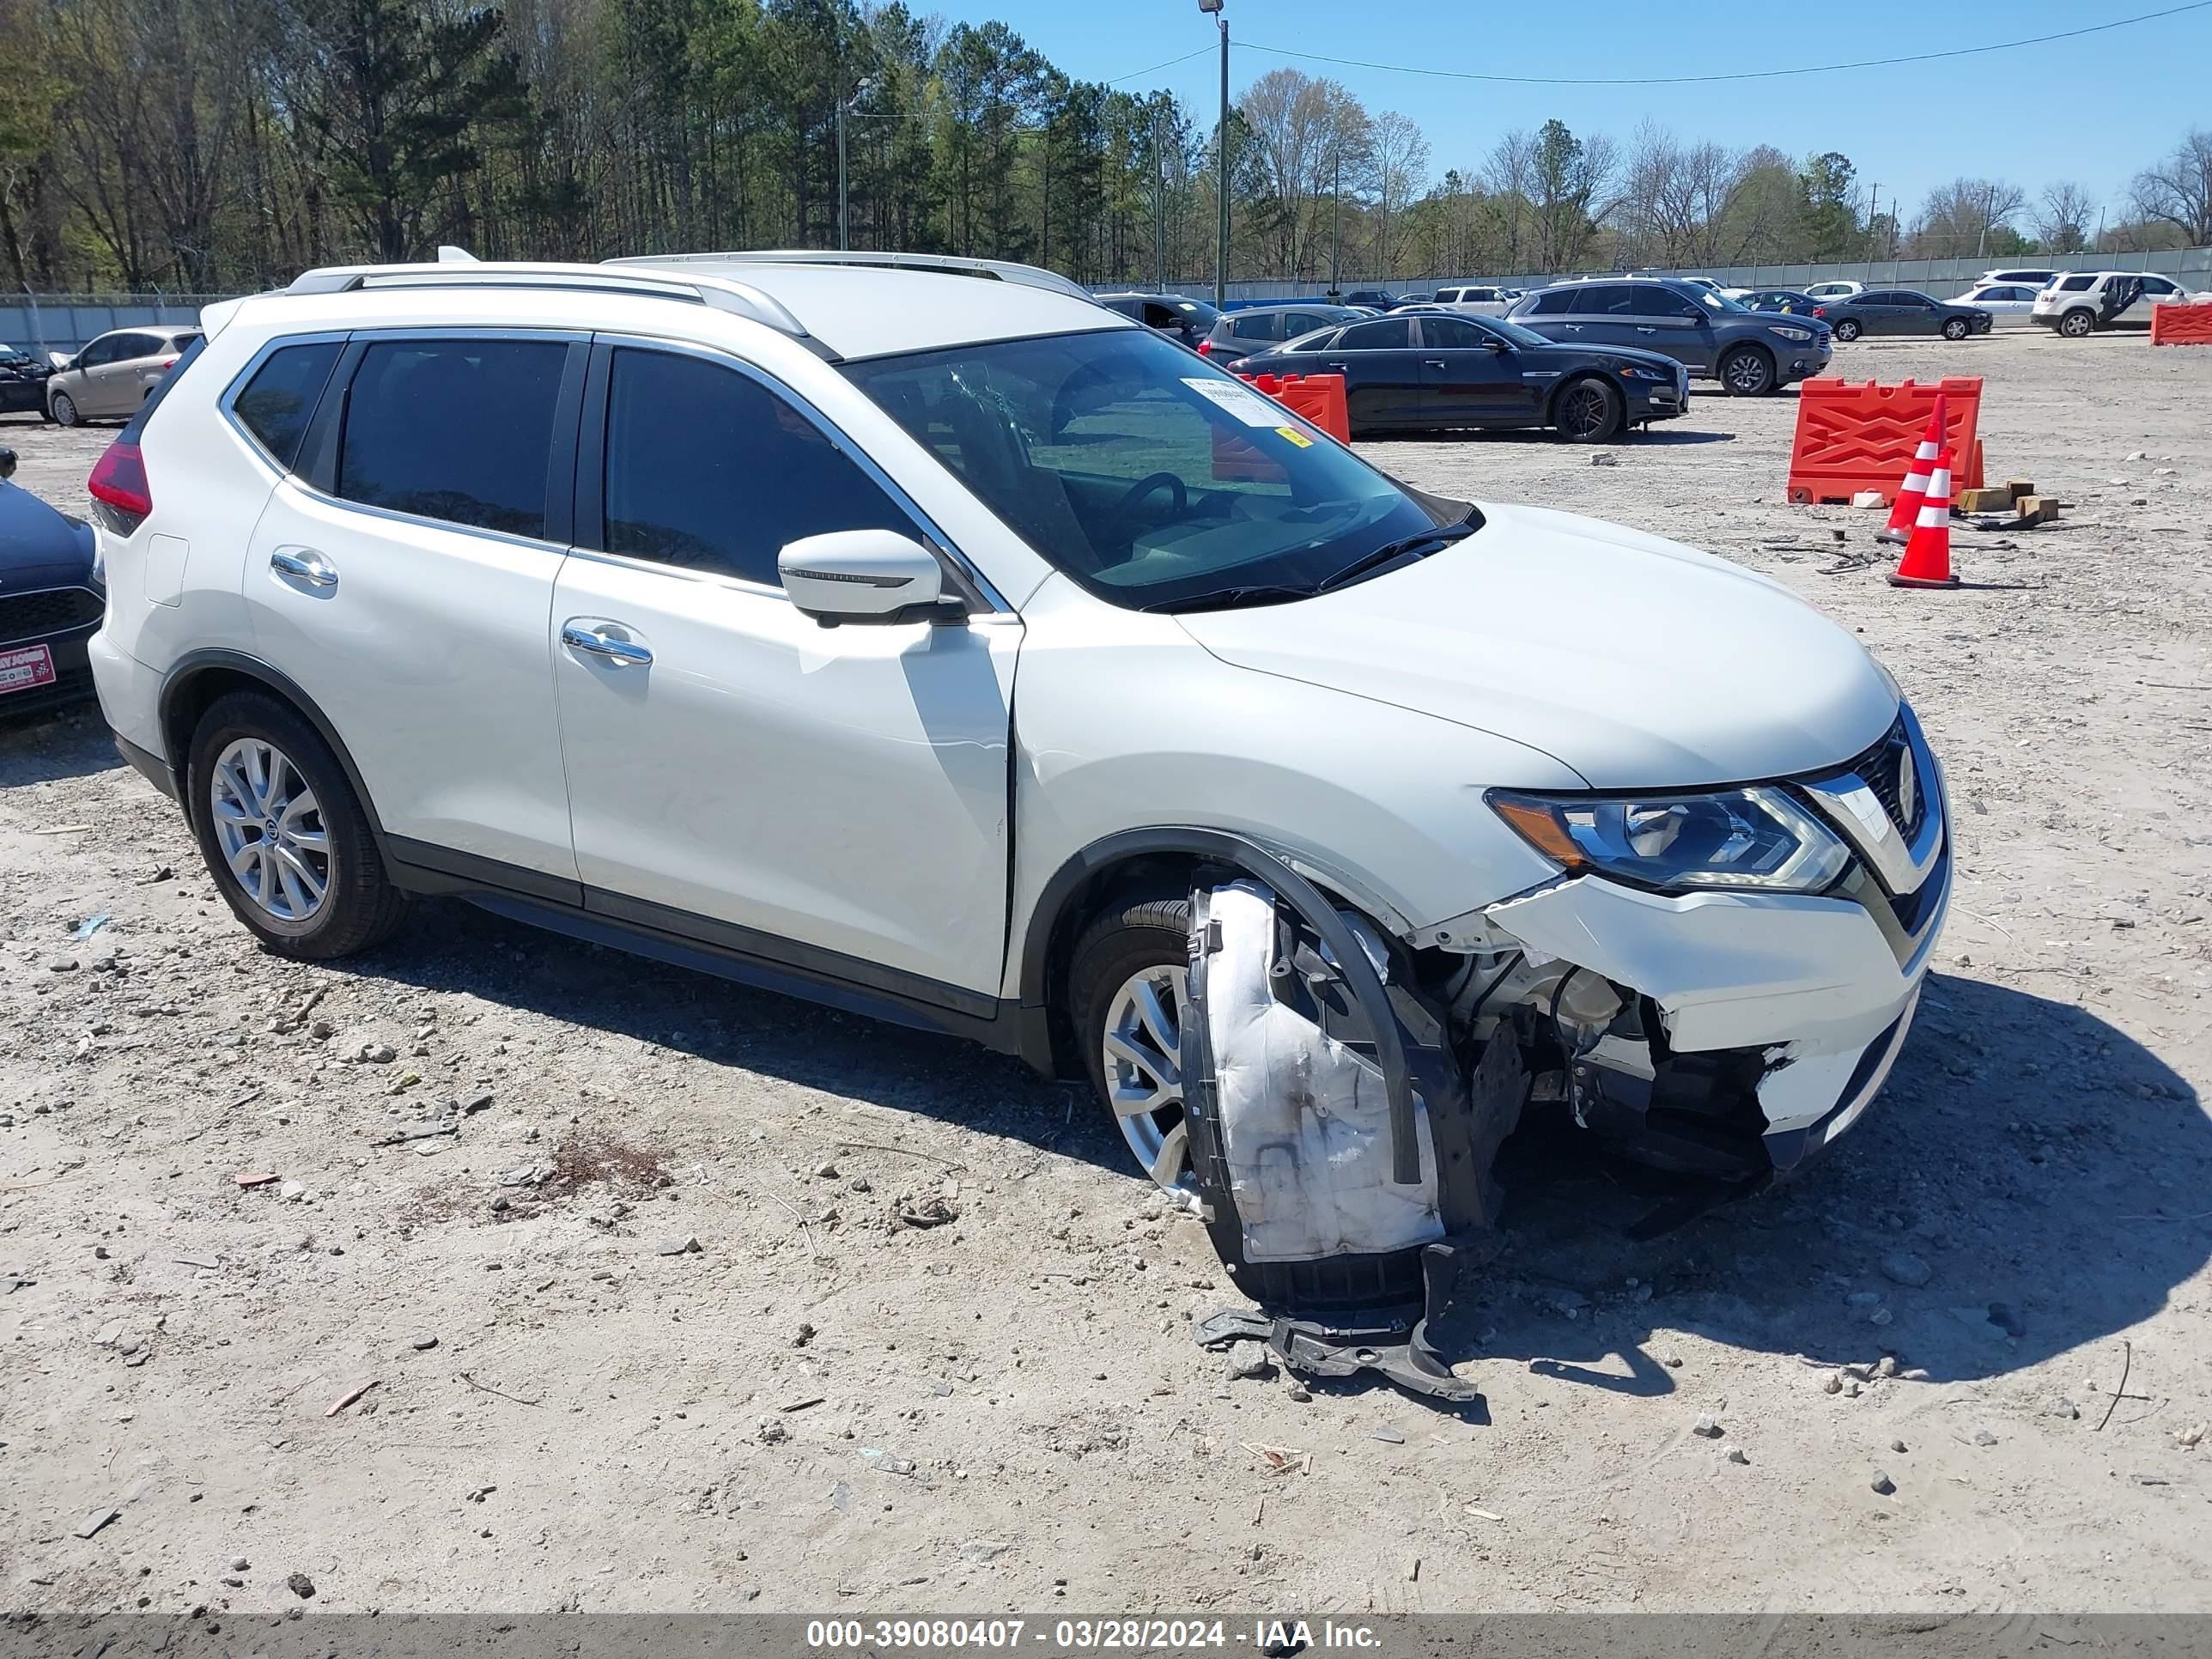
(1789, 333)
(1644, 372)
(1755, 837)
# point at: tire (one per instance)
(1135, 938)
(1955, 329)
(1848, 329)
(1747, 372)
(1588, 410)
(357, 907)
(62, 411)
(2078, 324)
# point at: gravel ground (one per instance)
(823, 1407)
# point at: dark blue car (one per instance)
(51, 599)
(1748, 352)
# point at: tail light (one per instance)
(1820, 311)
(165, 363)
(118, 486)
(1206, 348)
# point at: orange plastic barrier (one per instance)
(2181, 325)
(1851, 438)
(1319, 398)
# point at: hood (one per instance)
(1583, 353)
(40, 546)
(1639, 662)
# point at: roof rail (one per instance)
(1002, 270)
(739, 299)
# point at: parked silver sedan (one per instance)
(112, 375)
(2009, 303)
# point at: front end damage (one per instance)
(1347, 1091)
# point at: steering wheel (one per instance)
(1144, 486)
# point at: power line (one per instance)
(1735, 74)
(1201, 53)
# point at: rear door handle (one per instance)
(1340, 367)
(619, 653)
(306, 566)
(1645, 328)
(1432, 362)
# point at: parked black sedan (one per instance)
(1785, 300)
(22, 382)
(50, 600)
(1427, 371)
(1904, 311)
(1180, 318)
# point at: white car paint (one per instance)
(903, 797)
(2076, 294)
(1476, 300)
(1840, 290)
(2011, 305)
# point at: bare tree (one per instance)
(2178, 191)
(1960, 217)
(2063, 218)
(1400, 155)
(1508, 174)
(1307, 134)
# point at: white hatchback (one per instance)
(920, 636)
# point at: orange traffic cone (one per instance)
(1907, 513)
(1927, 561)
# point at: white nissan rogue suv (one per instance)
(916, 634)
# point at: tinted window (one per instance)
(1652, 300)
(125, 346)
(709, 470)
(279, 399)
(1453, 332)
(2076, 285)
(1552, 304)
(1384, 334)
(460, 430)
(1609, 300)
(1127, 307)
(1306, 322)
(2157, 285)
(100, 351)
(1248, 327)
(1919, 301)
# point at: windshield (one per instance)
(1720, 301)
(1154, 481)
(1513, 331)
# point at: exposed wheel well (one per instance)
(1140, 875)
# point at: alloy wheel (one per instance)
(1585, 412)
(1847, 330)
(1955, 329)
(270, 830)
(2076, 323)
(1143, 1046)
(1748, 374)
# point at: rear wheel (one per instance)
(63, 410)
(1847, 328)
(2075, 325)
(1955, 329)
(1128, 994)
(283, 834)
(1588, 411)
(1747, 372)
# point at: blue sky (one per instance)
(2093, 109)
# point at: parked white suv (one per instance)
(919, 635)
(1479, 300)
(2079, 302)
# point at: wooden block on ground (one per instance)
(2038, 509)
(1986, 501)
(2019, 487)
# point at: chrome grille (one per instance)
(1881, 767)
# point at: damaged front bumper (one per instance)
(1796, 1004)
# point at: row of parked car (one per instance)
(107, 380)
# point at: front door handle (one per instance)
(619, 653)
(1645, 328)
(1432, 362)
(306, 565)
(1340, 367)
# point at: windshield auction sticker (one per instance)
(1246, 404)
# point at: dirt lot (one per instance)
(823, 1408)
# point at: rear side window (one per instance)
(708, 469)
(278, 402)
(2076, 285)
(1385, 334)
(1610, 301)
(1248, 327)
(460, 430)
(1556, 303)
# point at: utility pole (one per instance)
(843, 238)
(1221, 163)
(1336, 226)
(1159, 208)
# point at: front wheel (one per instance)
(1588, 411)
(1747, 372)
(2078, 324)
(1128, 996)
(1848, 329)
(1955, 329)
(64, 411)
(285, 837)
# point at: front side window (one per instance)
(1452, 333)
(278, 402)
(1151, 480)
(710, 471)
(460, 430)
(126, 347)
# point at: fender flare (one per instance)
(196, 663)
